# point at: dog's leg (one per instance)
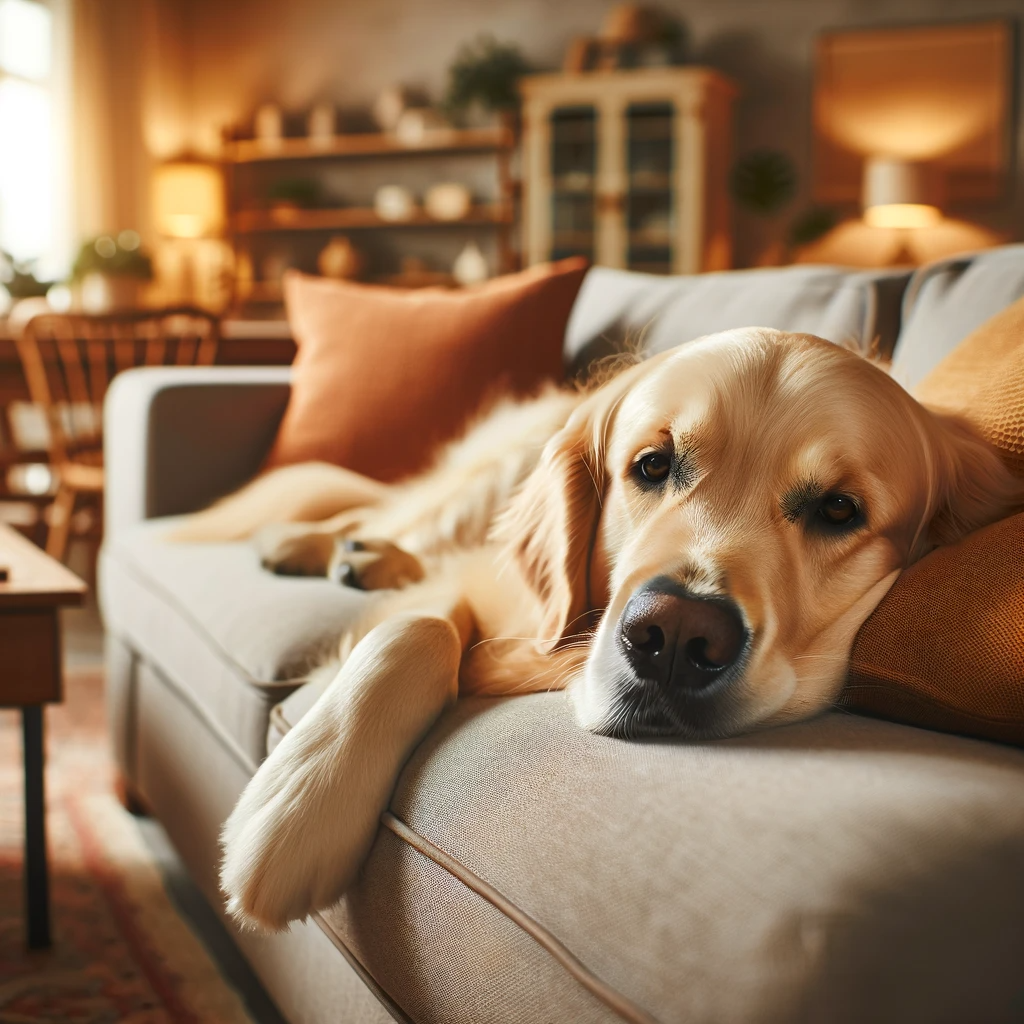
(309, 815)
(308, 492)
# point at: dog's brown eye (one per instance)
(654, 467)
(837, 509)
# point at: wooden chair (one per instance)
(69, 361)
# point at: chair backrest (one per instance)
(70, 359)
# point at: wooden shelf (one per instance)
(572, 239)
(355, 218)
(369, 144)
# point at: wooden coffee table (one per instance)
(35, 588)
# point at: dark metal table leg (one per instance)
(37, 883)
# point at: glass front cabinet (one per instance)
(628, 168)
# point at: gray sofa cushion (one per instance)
(854, 307)
(234, 638)
(843, 869)
(947, 300)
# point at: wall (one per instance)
(240, 54)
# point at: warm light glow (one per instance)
(25, 39)
(26, 180)
(902, 215)
(899, 194)
(854, 244)
(916, 93)
(188, 199)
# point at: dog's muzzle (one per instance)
(685, 651)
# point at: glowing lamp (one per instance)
(899, 194)
(188, 199)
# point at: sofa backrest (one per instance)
(845, 306)
(946, 300)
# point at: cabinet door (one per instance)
(651, 198)
(573, 181)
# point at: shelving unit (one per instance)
(369, 144)
(254, 222)
(358, 218)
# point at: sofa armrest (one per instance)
(175, 438)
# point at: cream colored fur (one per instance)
(308, 818)
(528, 538)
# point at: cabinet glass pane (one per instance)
(573, 173)
(649, 201)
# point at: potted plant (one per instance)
(108, 272)
(484, 77)
(289, 196)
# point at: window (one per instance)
(30, 164)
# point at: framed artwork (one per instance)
(940, 94)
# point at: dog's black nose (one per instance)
(680, 640)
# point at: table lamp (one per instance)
(899, 194)
(188, 204)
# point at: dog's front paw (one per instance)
(308, 817)
(293, 844)
(373, 565)
(293, 549)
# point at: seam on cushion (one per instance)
(278, 721)
(604, 993)
(869, 315)
(188, 698)
(923, 275)
(615, 1001)
(144, 579)
(928, 702)
(365, 976)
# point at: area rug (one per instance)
(121, 952)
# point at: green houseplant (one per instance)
(108, 271)
(484, 75)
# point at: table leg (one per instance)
(37, 884)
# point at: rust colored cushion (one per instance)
(945, 648)
(383, 376)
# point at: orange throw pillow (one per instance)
(383, 376)
(945, 648)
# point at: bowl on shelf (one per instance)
(394, 203)
(449, 200)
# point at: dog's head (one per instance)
(737, 508)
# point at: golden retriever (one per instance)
(690, 549)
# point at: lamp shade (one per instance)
(188, 199)
(899, 194)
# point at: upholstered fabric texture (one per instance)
(945, 648)
(983, 380)
(384, 376)
(842, 869)
(859, 309)
(947, 300)
(232, 637)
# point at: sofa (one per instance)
(841, 869)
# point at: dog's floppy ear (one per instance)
(551, 527)
(975, 487)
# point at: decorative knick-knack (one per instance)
(394, 203)
(320, 126)
(389, 107)
(450, 200)
(269, 126)
(470, 266)
(419, 125)
(339, 258)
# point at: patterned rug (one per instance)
(121, 952)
